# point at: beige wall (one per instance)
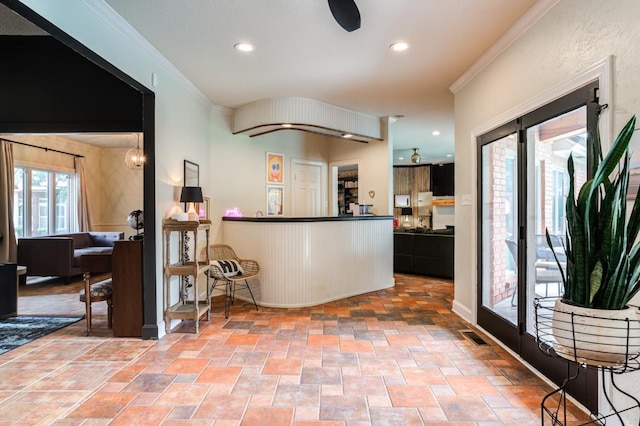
(120, 191)
(569, 39)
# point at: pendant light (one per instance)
(415, 157)
(135, 157)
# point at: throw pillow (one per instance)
(228, 267)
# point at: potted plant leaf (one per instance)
(602, 271)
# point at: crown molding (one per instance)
(531, 16)
(118, 23)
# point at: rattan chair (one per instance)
(250, 269)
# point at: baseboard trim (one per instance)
(462, 311)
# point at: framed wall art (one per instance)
(275, 200)
(275, 168)
(191, 174)
(204, 208)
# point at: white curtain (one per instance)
(84, 210)
(8, 246)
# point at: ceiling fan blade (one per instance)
(346, 13)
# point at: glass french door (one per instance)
(523, 185)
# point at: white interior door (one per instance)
(307, 188)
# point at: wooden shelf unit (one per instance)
(186, 309)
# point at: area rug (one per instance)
(17, 331)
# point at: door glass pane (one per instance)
(18, 201)
(499, 227)
(549, 145)
(39, 202)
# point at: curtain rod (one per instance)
(42, 147)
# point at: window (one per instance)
(43, 202)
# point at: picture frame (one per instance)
(191, 174)
(274, 168)
(275, 200)
(204, 208)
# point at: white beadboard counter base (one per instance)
(310, 261)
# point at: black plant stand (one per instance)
(556, 410)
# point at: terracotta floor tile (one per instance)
(103, 405)
(344, 408)
(149, 383)
(411, 396)
(187, 366)
(391, 357)
(423, 376)
(355, 346)
(363, 385)
(183, 393)
(141, 415)
(395, 416)
(472, 385)
(322, 340)
(283, 367)
(297, 395)
(221, 407)
(321, 376)
(404, 340)
(466, 408)
(243, 339)
(251, 385)
(271, 416)
(219, 375)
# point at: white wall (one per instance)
(569, 39)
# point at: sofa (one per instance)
(59, 255)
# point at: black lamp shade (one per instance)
(407, 211)
(191, 194)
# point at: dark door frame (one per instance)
(147, 117)
(515, 336)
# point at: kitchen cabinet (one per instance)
(419, 253)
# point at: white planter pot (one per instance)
(596, 336)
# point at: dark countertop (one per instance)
(444, 232)
(283, 219)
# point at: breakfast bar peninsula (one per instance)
(307, 261)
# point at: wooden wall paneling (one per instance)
(402, 184)
(422, 179)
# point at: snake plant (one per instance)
(603, 257)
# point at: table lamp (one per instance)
(406, 212)
(191, 195)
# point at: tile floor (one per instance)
(393, 357)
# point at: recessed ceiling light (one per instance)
(399, 46)
(347, 135)
(449, 155)
(436, 133)
(244, 47)
(286, 125)
(400, 158)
